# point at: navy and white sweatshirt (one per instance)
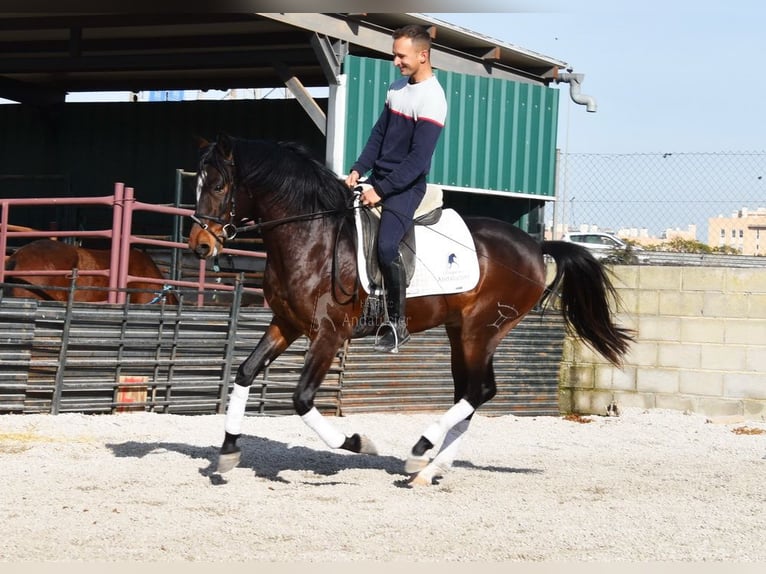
(403, 140)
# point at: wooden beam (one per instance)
(304, 98)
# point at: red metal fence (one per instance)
(124, 205)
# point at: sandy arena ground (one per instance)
(644, 486)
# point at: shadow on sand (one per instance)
(268, 458)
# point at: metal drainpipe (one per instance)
(575, 81)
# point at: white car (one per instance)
(606, 246)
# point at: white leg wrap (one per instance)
(448, 451)
(458, 412)
(443, 460)
(330, 435)
(235, 412)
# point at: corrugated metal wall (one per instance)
(418, 379)
(59, 359)
(500, 135)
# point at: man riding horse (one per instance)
(399, 152)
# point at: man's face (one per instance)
(407, 57)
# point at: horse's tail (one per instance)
(585, 288)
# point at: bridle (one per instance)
(228, 229)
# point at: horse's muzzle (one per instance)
(202, 242)
(202, 250)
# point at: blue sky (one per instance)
(672, 76)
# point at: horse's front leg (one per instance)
(318, 361)
(275, 340)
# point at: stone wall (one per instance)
(700, 345)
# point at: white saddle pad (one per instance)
(445, 259)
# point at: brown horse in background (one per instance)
(49, 255)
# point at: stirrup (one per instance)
(377, 346)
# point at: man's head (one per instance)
(412, 52)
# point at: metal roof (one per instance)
(45, 55)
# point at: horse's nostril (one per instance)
(202, 250)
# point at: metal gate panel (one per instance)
(78, 359)
(16, 336)
(60, 359)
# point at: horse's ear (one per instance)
(201, 142)
(225, 144)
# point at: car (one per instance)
(607, 247)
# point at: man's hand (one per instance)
(369, 196)
(352, 178)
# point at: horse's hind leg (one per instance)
(444, 459)
(448, 450)
(418, 458)
(275, 340)
(474, 386)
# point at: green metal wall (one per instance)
(499, 135)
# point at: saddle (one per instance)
(428, 212)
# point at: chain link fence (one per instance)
(648, 194)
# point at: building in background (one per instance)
(744, 230)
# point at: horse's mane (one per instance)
(288, 174)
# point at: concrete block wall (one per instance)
(700, 345)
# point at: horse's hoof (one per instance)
(228, 461)
(366, 446)
(422, 479)
(416, 464)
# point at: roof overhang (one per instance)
(46, 55)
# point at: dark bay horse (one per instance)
(305, 216)
(50, 255)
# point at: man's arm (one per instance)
(371, 149)
(417, 161)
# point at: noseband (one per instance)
(228, 229)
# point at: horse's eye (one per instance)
(218, 188)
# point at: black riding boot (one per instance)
(395, 282)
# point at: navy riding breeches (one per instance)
(395, 221)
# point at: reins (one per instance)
(261, 225)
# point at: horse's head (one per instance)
(214, 216)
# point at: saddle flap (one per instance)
(447, 261)
(370, 224)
